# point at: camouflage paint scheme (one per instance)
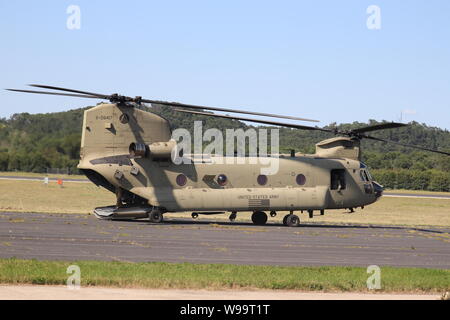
(109, 129)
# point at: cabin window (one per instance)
(262, 179)
(300, 179)
(181, 180)
(222, 180)
(338, 179)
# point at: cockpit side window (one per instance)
(369, 175)
(361, 174)
(366, 176)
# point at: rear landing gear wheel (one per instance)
(156, 216)
(232, 216)
(259, 218)
(194, 215)
(292, 220)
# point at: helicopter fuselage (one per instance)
(302, 183)
(210, 183)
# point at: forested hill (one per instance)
(34, 142)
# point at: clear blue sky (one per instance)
(315, 59)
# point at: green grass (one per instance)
(34, 196)
(221, 276)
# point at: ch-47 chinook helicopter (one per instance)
(128, 151)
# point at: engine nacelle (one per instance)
(339, 147)
(154, 151)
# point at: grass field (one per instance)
(220, 276)
(34, 196)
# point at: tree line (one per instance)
(35, 142)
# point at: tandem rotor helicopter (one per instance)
(128, 151)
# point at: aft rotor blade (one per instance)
(405, 145)
(183, 105)
(100, 95)
(381, 126)
(275, 123)
(55, 93)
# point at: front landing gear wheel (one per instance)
(292, 220)
(284, 219)
(232, 216)
(259, 218)
(156, 216)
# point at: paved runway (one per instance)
(80, 237)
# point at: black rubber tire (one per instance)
(232, 217)
(156, 216)
(292, 220)
(284, 219)
(259, 218)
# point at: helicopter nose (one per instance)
(377, 188)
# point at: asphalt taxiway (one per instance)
(73, 237)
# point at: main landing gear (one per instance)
(291, 220)
(156, 215)
(259, 218)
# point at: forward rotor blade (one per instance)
(405, 145)
(275, 123)
(183, 105)
(55, 93)
(381, 126)
(175, 104)
(100, 95)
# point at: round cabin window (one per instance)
(222, 180)
(262, 179)
(300, 179)
(181, 180)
